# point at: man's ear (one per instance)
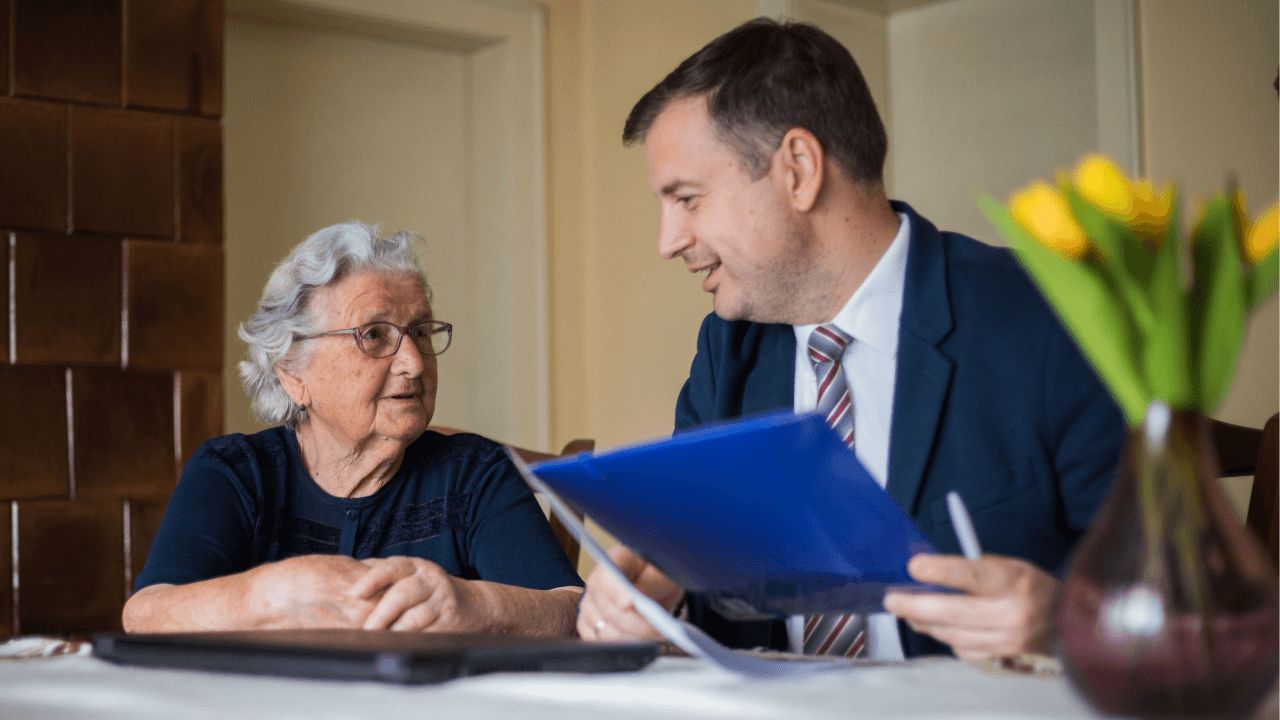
(803, 167)
(293, 386)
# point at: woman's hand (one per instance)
(1005, 611)
(335, 591)
(417, 594)
(311, 591)
(298, 592)
(606, 611)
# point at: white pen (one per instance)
(963, 524)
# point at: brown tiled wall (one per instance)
(111, 345)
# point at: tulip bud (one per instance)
(1044, 213)
(1150, 212)
(1103, 186)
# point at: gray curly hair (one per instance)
(286, 310)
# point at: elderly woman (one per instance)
(350, 513)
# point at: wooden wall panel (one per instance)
(122, 179)
(200, 181)
(144, 522)
(70, 566)
(66, 300)
(33, 168)
(33, 434)
(6, 569)
(4, 45)
(111, 225)
(67, 50)
(124, 433)
(201, 411)
(175, 55)
(175, 305)
(6, 254)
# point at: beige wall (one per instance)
(316, 135)
(1209, 111)
(988, 95)
(623, 321)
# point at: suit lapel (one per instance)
(771, 383)
(924, 372)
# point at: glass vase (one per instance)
(1169, 608)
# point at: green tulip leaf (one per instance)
(1125, 257)
(1166, 355)
(1217, 303)
(1088, 306)
(1262, 280)
(1094, 222)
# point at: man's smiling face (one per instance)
(740, 234)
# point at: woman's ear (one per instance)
(293, 385)
(803, 164)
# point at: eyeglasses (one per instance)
(382, 339)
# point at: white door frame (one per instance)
(502, 42)
(1119, 118)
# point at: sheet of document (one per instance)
(683, 635)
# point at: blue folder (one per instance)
(768, 516)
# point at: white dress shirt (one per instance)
(871, 317)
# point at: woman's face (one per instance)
(355, 396)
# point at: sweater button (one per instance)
(352, 515)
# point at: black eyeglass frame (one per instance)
(438, 326)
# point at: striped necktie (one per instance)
(842, 635)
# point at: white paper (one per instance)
(685, 636)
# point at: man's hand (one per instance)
(418, 594)
(1006, 610)
(606, 611)
(310, 591)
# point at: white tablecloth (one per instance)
(84, 687)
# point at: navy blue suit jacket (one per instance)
(992, 399)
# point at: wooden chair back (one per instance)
(1249, 451)
(1264, 501)
(1237, 447)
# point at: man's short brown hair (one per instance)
(763, 78)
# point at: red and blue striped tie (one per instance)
(842, 635)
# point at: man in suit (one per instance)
(947, 372)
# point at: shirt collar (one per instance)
(872, 313)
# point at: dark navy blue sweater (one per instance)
(457, 501)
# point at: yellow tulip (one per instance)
(1262, 237)
(1044, 213)
(1135, 203)
(1103, 186)
(1150, 214)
